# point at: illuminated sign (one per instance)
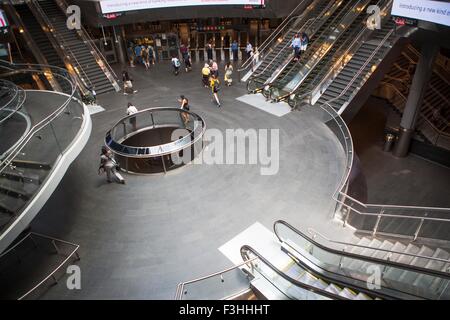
(3, 20)
(432, 11)
(111, 6)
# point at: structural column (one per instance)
(120, 40)
(419, 85)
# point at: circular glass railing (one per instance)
(156, 140)
(41, 116)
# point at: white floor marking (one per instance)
(93, 109)
(258, 101)
(259, 238)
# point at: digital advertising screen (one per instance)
(110, 6)
(432, 11)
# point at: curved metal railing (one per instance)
(152, 118)
(50, 135)
(168, 152)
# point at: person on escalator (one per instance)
(296, 45)
(304, 42)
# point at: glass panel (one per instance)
(403, 280)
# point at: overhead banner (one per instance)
(110, 6)
(432, 11)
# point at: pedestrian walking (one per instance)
(228, 74)
(187, 62)
(215, 88)
(127, 83)
(235, 50)
(176, 65)
(206, 72)
(131, 109)
(209, 51)
(145, 58)
(214, 68)
(184, 105)
(109, 165)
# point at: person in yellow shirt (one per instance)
(215, 87)
(206, 72)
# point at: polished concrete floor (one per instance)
(141, 239)
(412, 181)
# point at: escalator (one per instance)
(85, 58)
(44, 51)
(292, 282)
(358, 69)
(319, 42)
(283, 49)
(318, 71)
(344, 274)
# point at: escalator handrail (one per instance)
(274, 76)
(339, 53)
(273, 35)
(35, 4)
(288, 44)
(356, 40)
(311, 53)
(295, 282)
(88, 40)
(361, 69)
(350, 255)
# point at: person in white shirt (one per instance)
(249, 49)
(132, 110)
(176, 65)
(296, 44)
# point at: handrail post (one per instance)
(375, 229)
(419, 227)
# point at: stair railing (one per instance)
(439, 133)
(332, 73)
(69, 57)
(361, 69)
(414, 61)
(84, 35)
(181, 286)
(316, 234)
(279, 31)
(94, 49)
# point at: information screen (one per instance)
(110, 6)
(432, 11)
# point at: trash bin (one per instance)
(389, 142)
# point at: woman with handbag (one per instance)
(109, 165)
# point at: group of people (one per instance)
(141, 54)
(176, 64)
(299, 44)
(210, 78)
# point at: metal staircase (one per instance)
(433, 123)
(85, 58)
(359, 68)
